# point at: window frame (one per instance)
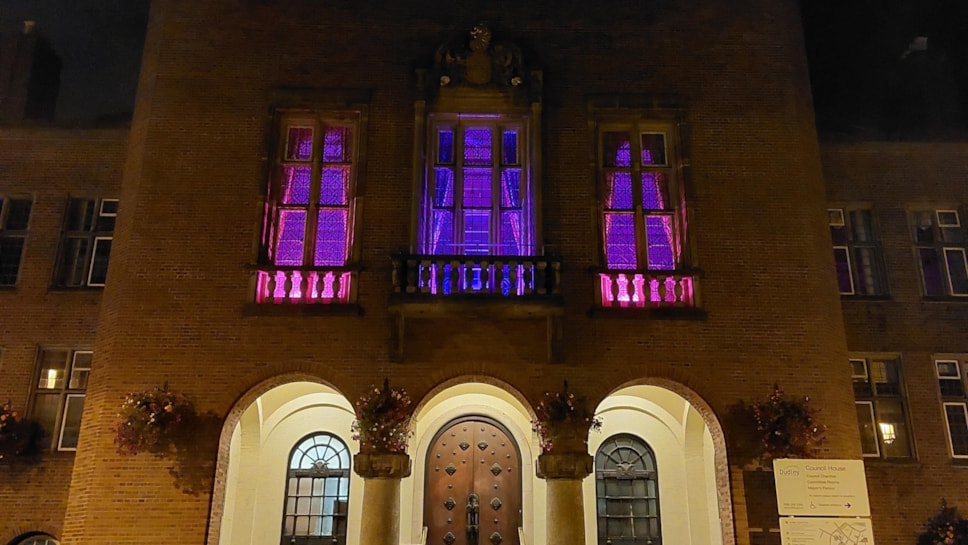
(458, 123)
(948, 399)
(317, 473)
(636, 128)
(850, 246)
(946, 238)
(873, 398)
(310, 284)
(64, 394)
(643, 450)
(94, 234)
(8, 234)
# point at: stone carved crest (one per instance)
(479, 61)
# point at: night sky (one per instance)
(862, 85)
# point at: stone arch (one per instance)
(474, 395)
(258, 428)
(690, 447)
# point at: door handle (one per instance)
(473, 517)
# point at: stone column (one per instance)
(381, 474)
(564, 472)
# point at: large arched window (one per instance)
(317, 492)
(627, 490)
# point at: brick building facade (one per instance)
(477, 201)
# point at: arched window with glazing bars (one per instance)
(627, 492)
(317, 492)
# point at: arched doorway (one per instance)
(473, 484)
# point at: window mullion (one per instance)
(458, 201)
(313, 207)
(497, 172)
(635, 173)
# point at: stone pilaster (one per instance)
(564, 472)
(382, 473)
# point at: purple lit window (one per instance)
(442, 233)
(295, 184)
(655, 190)
(337, 145)
(335, 185)
(444, 187)
(289, 244)
(445, 147)
(477, 187)
(299, 144)
(844, 277)
(640, 214)
(510, 232)
(510, 147)
(477, 231)
(312, 195)
(658, 234)
(478, 200)
(477, 146)
(620, 241)
(511, 188)
(331, 238)
(618, 191)
(653, 149)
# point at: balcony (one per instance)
(305, 286)
(648, 289)
(495, 286)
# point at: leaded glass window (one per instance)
(478, 195)
(312, 193)
(317, 492)
(641, 226)
(627, 492)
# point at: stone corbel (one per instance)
(382, 465)
(565, 465)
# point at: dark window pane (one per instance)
(931, 272)
(617, 149)
(844, 278)
(957, 270)
(957, 428)
(299, 144)
(99, 262)
(73, 268)
(11, 250)
(868, 435)
(653, 149)
(510, 146)
(71, 429)
(18, 215)
(80, 215)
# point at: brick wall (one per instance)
(894, 178)
(47, 164)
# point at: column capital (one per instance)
(382, 465)
(565, 465)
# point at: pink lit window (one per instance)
(642, 217)
(478, 198)
(308, 225)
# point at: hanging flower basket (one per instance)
(382, 422)
(946, 527)
(152, 421)
(788, 428)
(563, 421)
(19, 438)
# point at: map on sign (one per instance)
(821, 488)
(825, 531)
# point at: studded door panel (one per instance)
(473, 494)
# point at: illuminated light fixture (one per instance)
(888, 432)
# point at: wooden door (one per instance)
(473, 494)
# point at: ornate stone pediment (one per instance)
(476, 61)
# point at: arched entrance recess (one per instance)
(689, 449)
(257, 444)
(500, 408)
